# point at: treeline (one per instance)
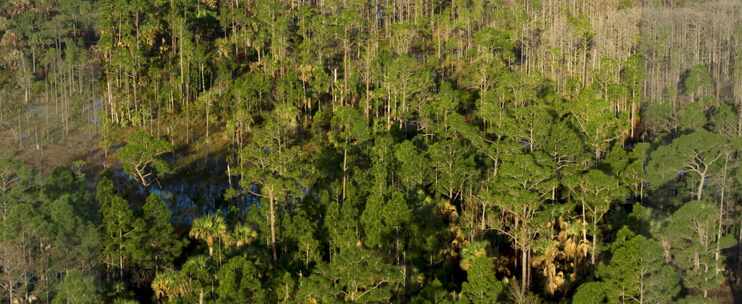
(380, 151)
(49, 74)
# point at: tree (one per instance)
(523, 184)
(122, 233)
(355, 275)
(383, 148)
(694, 153)
(598, 123)
(691, 236)
(413, 167)
(213, 230)
(239, 280)
(15, 180)
(481, 284)
(696, 79)
(565, 146)
(628, 167)
(596, 192)
(348, 130)
(590, 292)
(637, 271)
(275, 163)
(301, 231)
(433, 292)
(692, 116)
(453, 165)
(405, 79)
(44, 232)
(171, 284)
(384, 215)
(160, 242)
(193, 283)
(529, 124)
(140, 157)
(77, 288)
(386, 211)
(724, 120)
(659, 119)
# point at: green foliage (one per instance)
(190, 284)
(692, 116)
(301, 231)
(481, 284)
(212, 230)
(383, 216)
(433, 292)
(77, 288)
(160, 242)
(724, 120)
(239, 280)
(596, 192)
(375, 151)
(696, 79)
(692, 236)
(349, 127)
(140, 157)
(658, 118)
(637, 272)
(354, 275)
(598, 123)
(590, 292)
(413, 166)
(453, 165)
(42, 235)
(122, 234)
(693, 154)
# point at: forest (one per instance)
(370, 151)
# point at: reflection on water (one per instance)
(189, 200)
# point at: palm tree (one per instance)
(211, 229)
(242, 235)
(192, 280)
(171, 285)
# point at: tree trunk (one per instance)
(524, 270)
(121, 256)
(345, 169)
(271, 199)
(641, 287)
(584, 223)
(699, 190)
(721, 212)
(595, 239)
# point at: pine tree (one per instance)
(121, 232)
(141, 157)
(160, 242)
(693, 242)
(481, 284)
(637, 271)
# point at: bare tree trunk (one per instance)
(699, 190)
(271, 199)
(345, 168)
(524, 271)
(595, 239)
(721, 212)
